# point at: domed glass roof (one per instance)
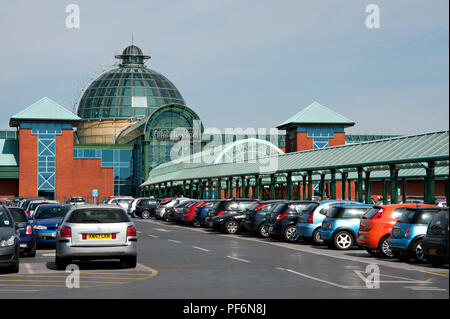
(132, 90)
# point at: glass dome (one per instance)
(130, 91)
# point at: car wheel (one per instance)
(373, 252)
(290, 234)
(317, 240)
(343, 240)
(145, 214)
(133, 214)
(263, 231)
(61, 263)
(130, 262)
(418, 252)
(231, 227)
(197, 223)
(165, 217)
(384, 248)
(32, 251)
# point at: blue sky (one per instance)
(243, 63)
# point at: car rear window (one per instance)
(5, 219)
(45, 212)
(418, 217)
(18, 215)
(305, 208)
(346, 212)
(98, 215)
(439, 223)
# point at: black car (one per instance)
(231, 220)
(283, 219)
(145, 208)
(201, 212)
(226, 206)
(435, 242)
(9, 241)
(256, 219)
(26, 230)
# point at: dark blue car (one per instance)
(27, 233)
(46, 220)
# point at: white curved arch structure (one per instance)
(227, 155)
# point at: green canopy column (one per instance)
(304, 187)
(310, 186)
(350, 190)
(447, 189)
(430, 184)
(360, 185)
(247, 188)
(394, 184)
(344, 176)
(230, 187)
(272, 186)
(404, 190)
(368, 188)
(289, 186)
(322, 187)
(191, 189)
(146, 144)
(333, 184)
(243, 187)
(210, 189)
(299, 190)
(219, 188)
(255, 193)
(385, 193)
(261, 189)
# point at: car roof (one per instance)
(433, 208)
(356, 206)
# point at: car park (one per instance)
(283, 219)
(96, 232)
(341, 225)
(310, 222)
(376, 226)
(46, 220)
(27, 233)
(9, 242)
(435, 242)
(231, 221)
(145, 208)
(256, 219)
(408, 233)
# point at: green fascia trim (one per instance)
(105, 147)
(9, 172)
(315, 113)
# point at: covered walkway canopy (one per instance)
(393, 158)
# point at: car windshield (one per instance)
(5, 219)
(77, 199)
(46, 212)
(421, 217)
(304, 208)
(98, 215)
(371, 212)
(18, 215)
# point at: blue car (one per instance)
(341, 225)
(202, 211)
(46, 220)
(408, 233)
(27, 233)
(309, 224)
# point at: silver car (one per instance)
(96, 232)
(163, 208)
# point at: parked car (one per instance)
(310, 222)
(231, 221)
(145, 208)
(5, 202)
(9, 242)
(376, 226)
(24, 202)
(227, 206)
(283, 220)
(33, 204)
(131, 209)
(76, 200)
(202, 211)
(96, 232)
(341, 225)
(123, 202)
(46, 220)
(407, 234)
(27, 233)
(435, 242)
(187, 213)
(256, 220)
(175, 213)
(161, 212)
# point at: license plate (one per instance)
(324, 225)
(432, 251)
(23, 246)
(270, 229)
(98, 236)
(397, 231)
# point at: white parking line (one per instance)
(162, 229)
(199, 248)
(174, 241)
(48, 255)
(153, 236)
(243, 260)
(313, 278)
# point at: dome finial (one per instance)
(132, 55)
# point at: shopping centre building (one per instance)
(132, 130)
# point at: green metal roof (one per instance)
(407, 151)
(317, 114)
(44, 110)
(9, 152)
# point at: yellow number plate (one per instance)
(99, 236)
